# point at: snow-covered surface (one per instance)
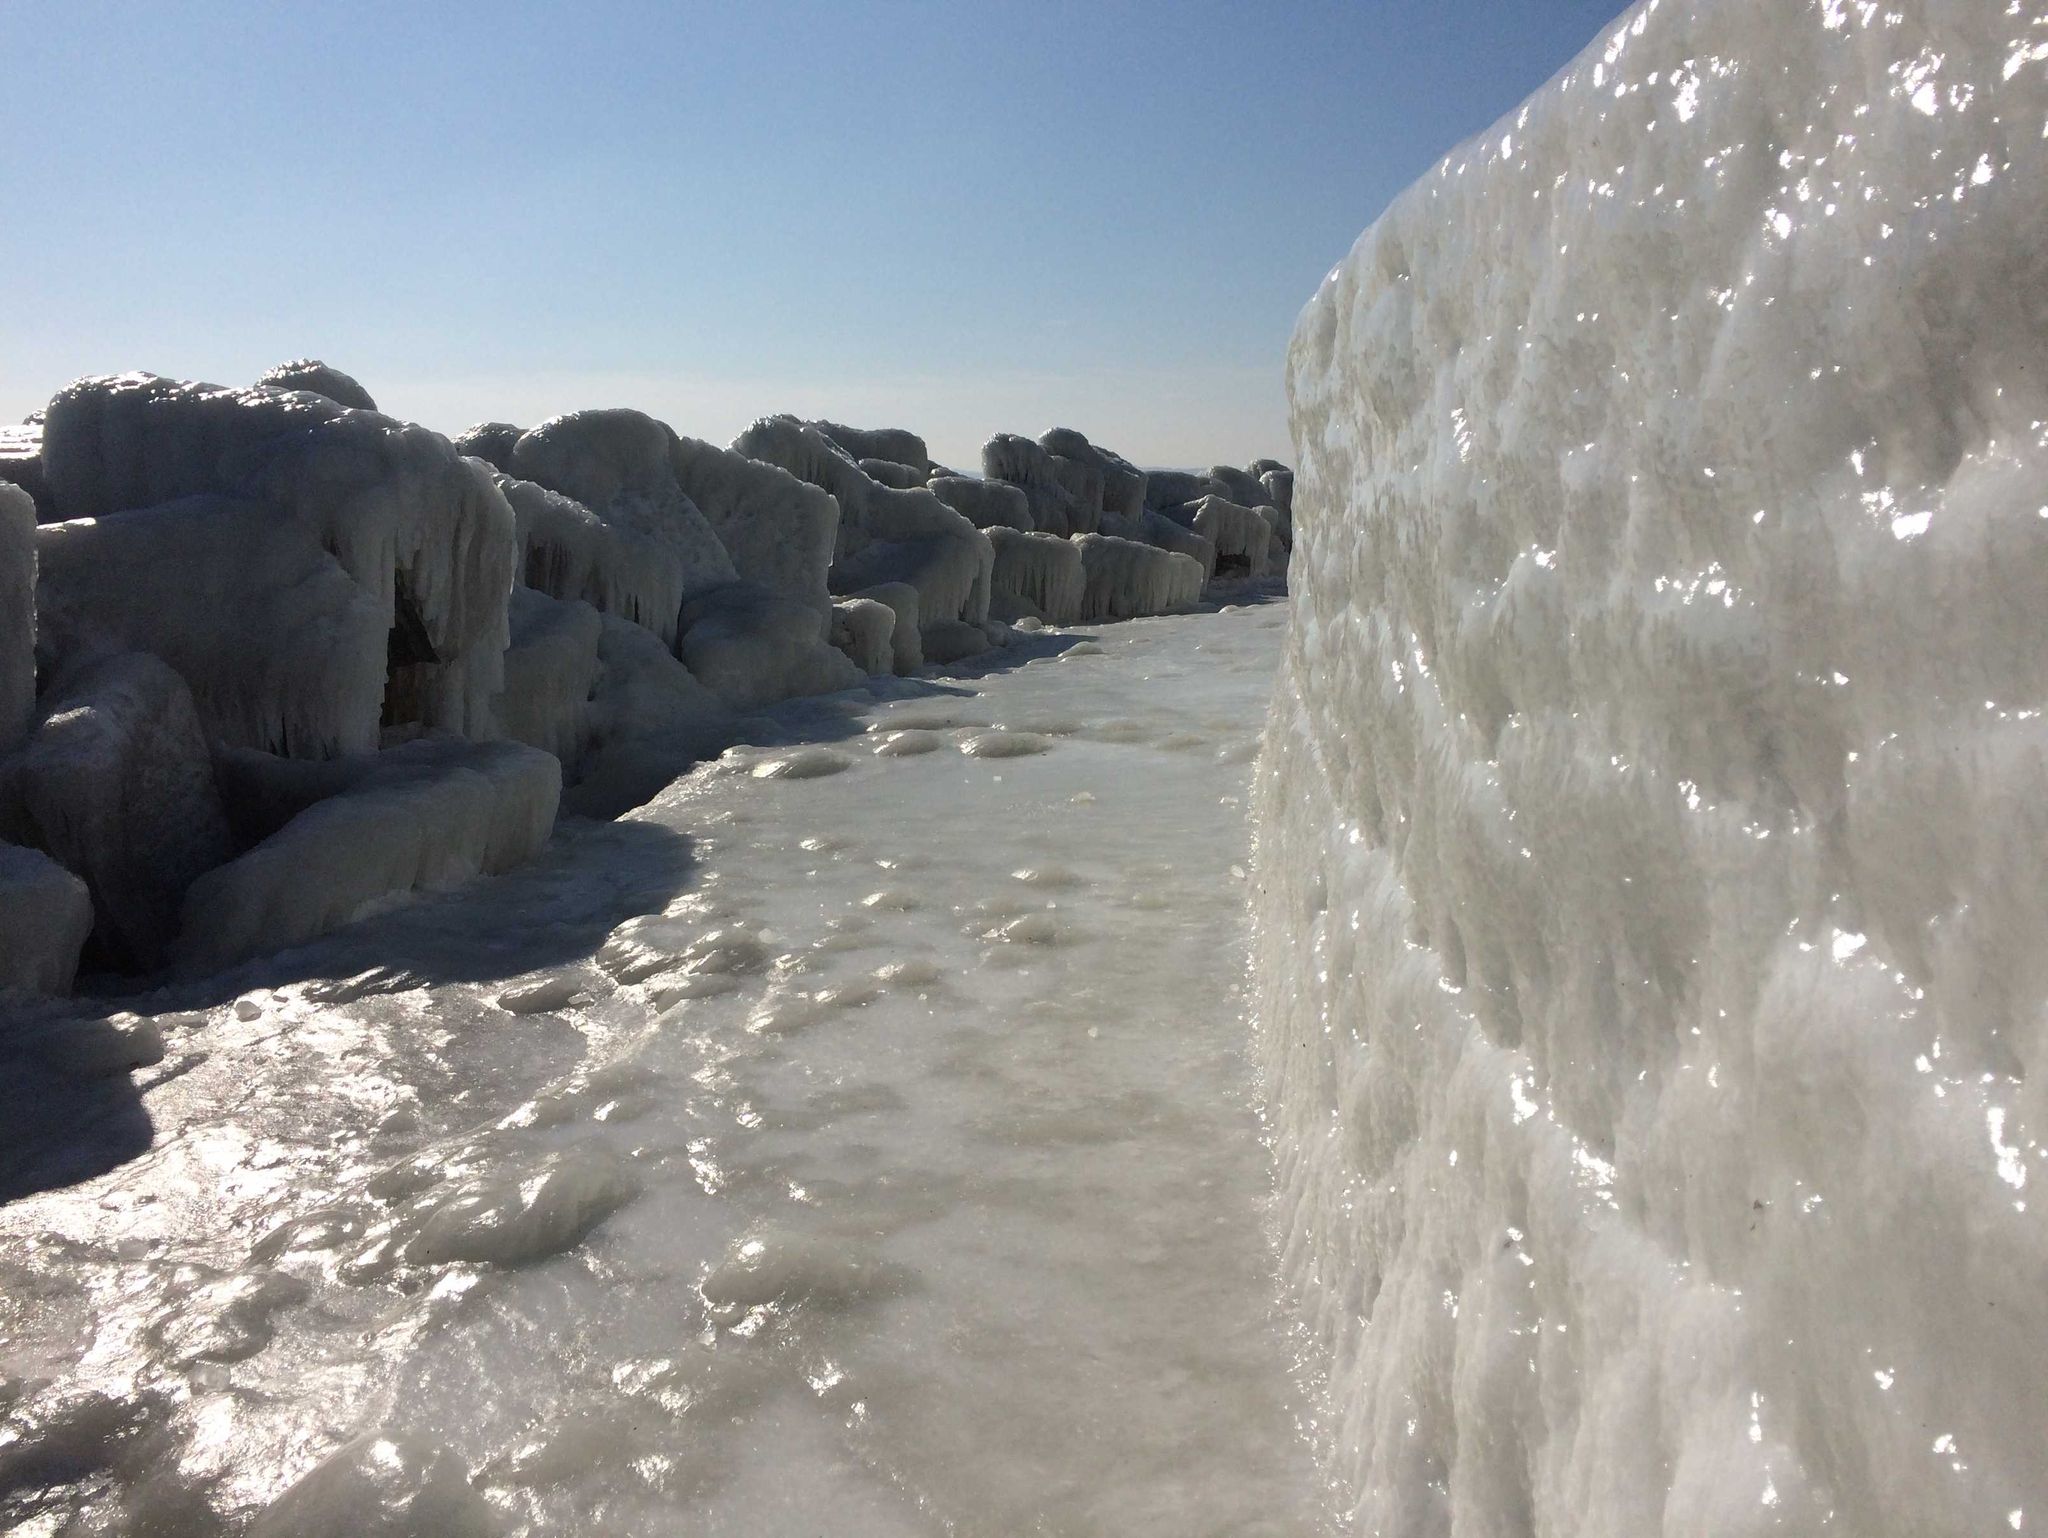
(1651, 871)
(889, 1170)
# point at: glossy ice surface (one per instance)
(895, 1173)
(1653, 853)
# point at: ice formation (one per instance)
(885, 534)
(1036, 576)
(117, 785)
(1239, 535)
(1124, 579)
(269, 482)
(45, 917)
(569, 552)
(320, 379)
(779, 531)
(621, 465)
(429, 814)
(1649, 884)
(277, 631)
(17, 615)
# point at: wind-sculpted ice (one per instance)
(1651, 858)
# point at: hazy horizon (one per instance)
(903, 215)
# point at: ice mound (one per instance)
(779, 531)
(318, 378)
(621, 465)
(1037, 576)
(889, 445)
(985, 504)
(1239, 535)
(17, 615)
(752, 647)
(117, 785)
(885, 534)
(1017, 460)
(1126, 580)
(1122, 483)
(617, 565)
(864, 629)
(551, 670)
(381, 1487)
(209, 526)
(1649, 881)
(45, 916)
(430, 814)
(524, 1212)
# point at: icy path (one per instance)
(935, 1208)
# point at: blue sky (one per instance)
(958, 218)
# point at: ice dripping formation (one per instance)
(1650, 857)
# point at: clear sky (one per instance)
(960, 218)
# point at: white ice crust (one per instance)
(1651, 873)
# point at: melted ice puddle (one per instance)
(895, 1174)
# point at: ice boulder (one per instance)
(551, 668)
(885, 534)
(210, 526)
(1126, 580)
(906, 636)
(318, 378)
(21, 460)
(621, 565)
(45, 916)
(117, 785)
(780, 531)
(491, 442)
(1651, 863)
(889, 473)
(1123, 483)
(1241, 535)
(864, 629)
(1037, 576)
(17, 615)
(648, 719)
(891, 445)
(985, 504)
(1155, 528)
(750, 647)
(620, 464)
(429, 814)
(1020, 462)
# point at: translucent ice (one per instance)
(1651, 862)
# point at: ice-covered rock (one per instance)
(985, 504)
(320, 379)
(892, 445)
(649, 718)
(623, 565)
(1158, 529)
(1123, 483)
(948, 641)
(1018, 461)
(1240, 535)
(429, 814)
(779, 531)
(21, 459)
(551, 668)
(1037, 576)
(17, 615)
(1651, 874)
(621, 465)
(889, 473)
(45, 917)
(906, 637)
(491, 442)
(208, 527)
(117, 785)
(885, 535)
(864, 629)
(1127, 580)
(750, 646)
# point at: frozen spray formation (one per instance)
(1651, 879)
(271, 660)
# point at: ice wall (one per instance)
(1651, 875)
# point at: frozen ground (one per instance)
(898, 1177)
